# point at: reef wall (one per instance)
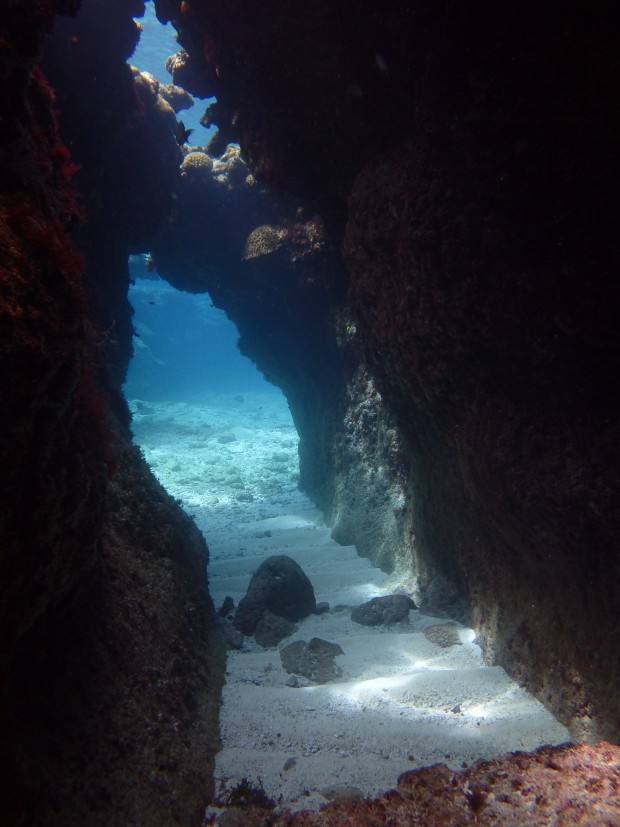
(464, 159)
(110, 666)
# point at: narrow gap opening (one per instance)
(157, 42)
(216, 434)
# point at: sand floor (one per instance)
(401, 702)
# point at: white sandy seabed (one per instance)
(401, 702)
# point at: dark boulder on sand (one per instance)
(280, 586)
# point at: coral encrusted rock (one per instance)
(263, 240)
(280, 586)
(176, 97)
(197, 166)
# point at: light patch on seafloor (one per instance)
(285, 522)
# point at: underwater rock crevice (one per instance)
(480, 252)
(479, 206)
(120, 132)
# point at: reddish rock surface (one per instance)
(571, 785)
(43, 369)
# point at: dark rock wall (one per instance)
(483, 259)
(44, 364)
(471, 155)
(512, 432)
(114, 698)
(121, 135)
(110, 666)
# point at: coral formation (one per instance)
(185, 71)
(263, 240)
(178, 99)
(197, 166)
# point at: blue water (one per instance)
(156, 44)
(184, 347)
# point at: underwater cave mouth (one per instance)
(381, 699)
